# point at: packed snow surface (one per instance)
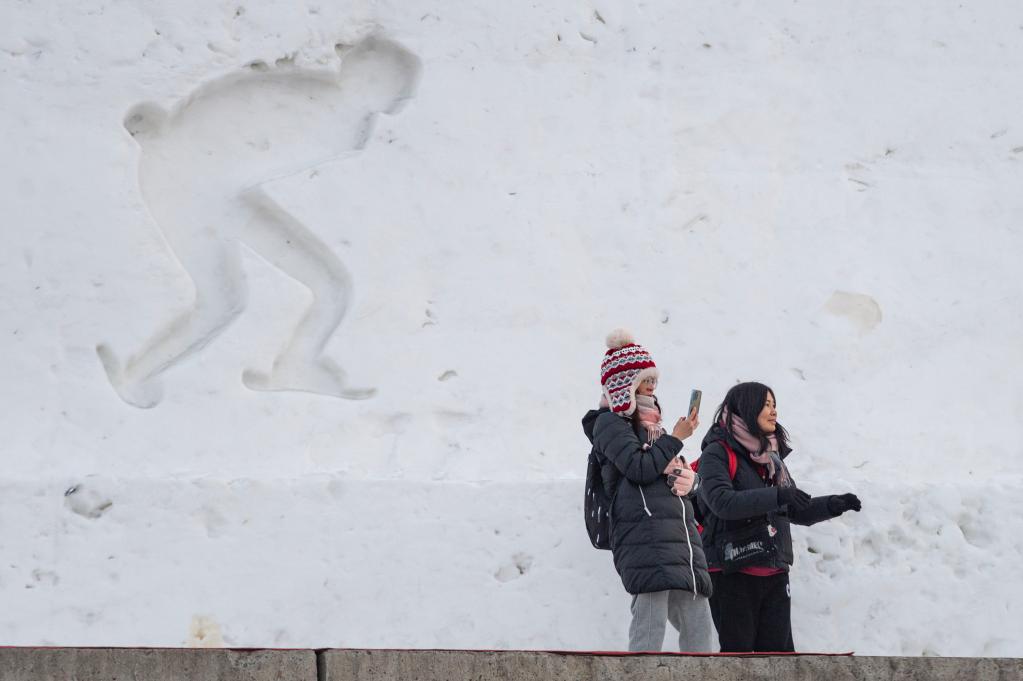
(302, 304)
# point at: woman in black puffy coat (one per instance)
(654, 537)
(748, 502)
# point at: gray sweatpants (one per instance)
(652, 611)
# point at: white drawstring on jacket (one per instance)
(644, 501)
(685, 528)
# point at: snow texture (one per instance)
(302, 304)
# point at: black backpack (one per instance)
(597, 505)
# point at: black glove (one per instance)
(840, 503)
(793, 497)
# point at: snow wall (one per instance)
(303, 302)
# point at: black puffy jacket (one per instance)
(654, 539)
(727, 504)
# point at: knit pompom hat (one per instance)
(625, 365)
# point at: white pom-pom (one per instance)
(619, 338)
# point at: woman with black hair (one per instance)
(748, 498)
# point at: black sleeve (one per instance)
(614, 438)
(719, 494)
(815, 513)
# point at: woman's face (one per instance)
(647, 387)
(768, 418)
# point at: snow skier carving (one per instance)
(203, 171)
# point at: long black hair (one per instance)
(747, 400)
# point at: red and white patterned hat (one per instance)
(625, 365)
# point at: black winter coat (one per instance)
(728, 504)
(654, 539)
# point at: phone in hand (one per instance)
(694, 401)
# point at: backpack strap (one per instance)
(733, 460)
(733, 467)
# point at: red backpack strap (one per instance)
(733, 461)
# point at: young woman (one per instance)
(748, 497)
(654, 537)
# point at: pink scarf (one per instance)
(776, 468)
(650, 416)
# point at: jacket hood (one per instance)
(716, 434)
(590, 419)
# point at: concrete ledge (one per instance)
(155, 664)
(384, 665)
(141, 664)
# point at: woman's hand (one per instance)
(685, 427)
(840, 503)
(680, 476)
(683, 482)
(676, 465)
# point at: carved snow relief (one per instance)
(203, 173)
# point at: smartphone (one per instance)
(694, 402)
